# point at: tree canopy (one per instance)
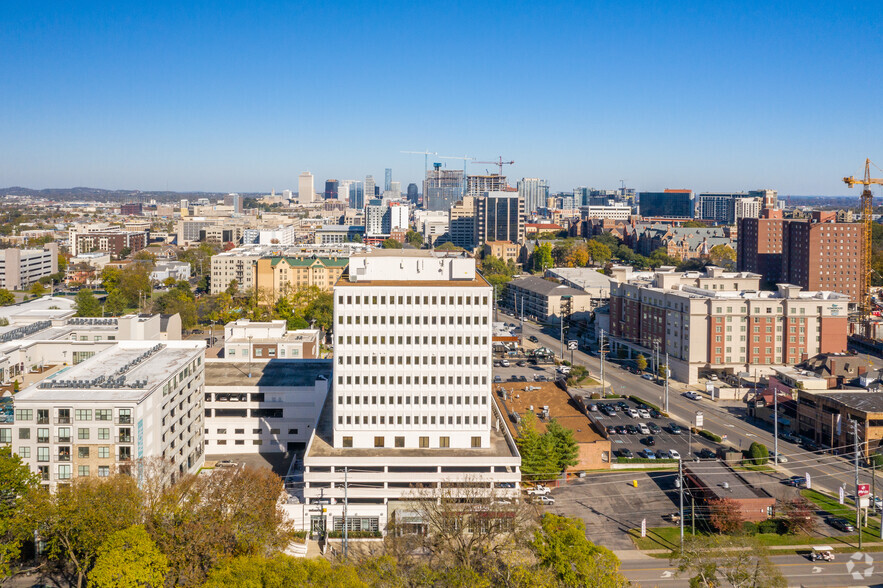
(87, 304)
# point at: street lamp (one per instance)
(249, 355)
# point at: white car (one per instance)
(674, 454)
(778, 458)
(564, 369)
(504, 363)
(644, 413)
(633, 413)
(545, 500)
(645, 430)
(538, 490)
(692, 395)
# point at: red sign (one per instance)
(864, 489)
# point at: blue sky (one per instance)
(243, 96)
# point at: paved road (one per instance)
(798, 570)
(827, 472)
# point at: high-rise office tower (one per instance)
(461, 223)
(534, 192)
(667, 204)
(306, 191)
(478, 185)
(499, 216)
(413, 195)
(395, 188)
(387, 180)
(331, 189)
(350, 191)
(369, 188)
(442, 188)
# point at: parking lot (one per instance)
(528, 371)
(665, 438)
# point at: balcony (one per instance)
(66, 439)
(124, 439)
(124, 458)
(42, 420)
(63, 457)
(124, 420)
(63, 420)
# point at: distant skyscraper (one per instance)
(233, 200)
(534, 192)
(306, 191)
(478, 185)
(331, 189)
(350, 191)
(442, 188)
(499, 216)
(668, 204)
(387, 180)
(369, 187)
(395, 188)
(413, 195)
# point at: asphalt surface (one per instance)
(798, 571)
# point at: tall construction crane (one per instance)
(425, 155)
(465, 159)
(499, 163)
(867, 201)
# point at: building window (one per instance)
(424, 442)
(83, 470)
(444, 442)
(103, 452)
(347, 441)
(400, 441)
(83, 452)
(378, 441)
(476, 442)
(103, 471)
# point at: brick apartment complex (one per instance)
(815, 254)
(276, 276)
(722, 321)
(113, 242)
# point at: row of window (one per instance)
(433, 300)
(259, 352)
(102, 452)
(63, 434)
(406, 400)
(408, 340)
(407, 360)
(253, 431)
(398, 380)
(423, 442)
(63, 415)
(411, 320)
(406, 420)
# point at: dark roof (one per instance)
(273, 373)
(868, 402)
(544, 287)
(712, 475)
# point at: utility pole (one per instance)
(681, 483)
(601, 353)
(665, 408)
(775, 423)
(346, 522)
(561, 321)
(858, 510)
(522, 315)
(656, 359)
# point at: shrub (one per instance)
(710, 436)
(749, 528)
(768, 526)
(640, 400)
(758, 453)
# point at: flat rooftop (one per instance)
(713, 475)
(869, 402)
(520, 396)
(323, 440)
(273, 373)
(143, 366)
(477, 282)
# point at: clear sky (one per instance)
(245, 95)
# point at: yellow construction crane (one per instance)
(867, 201)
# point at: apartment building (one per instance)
(499, 216)
(235, 265)
(263, 406)
(722, 321)
(411, 401)
(817, 253)
(547, 301)
(461, 223)
(112, 241)
(269, 340)
(614, 211)
(130, 400)
(19, 268)
(275, 276)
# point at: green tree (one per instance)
(87, 304)
(542, 257)
(16, 481)
(283, 571)
(661, 257)
(599, 252)
(723, 256)
(448, 246)
(560, 545)
(391, 244)
(641, 362)
(538, 456)
(75, 521)
(129, 559)
(179, 300)
(110, 278)
(566, 448)
(719, 560)
(414, 238)
(695, 225)
(6, 297)
(115, 303)
(134, 282)
(758, 453)
(357, 238)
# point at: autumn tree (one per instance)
(599, 253)
(37, 289)
(87, 304)
(798, 516)
(6, 297)
(725, 515)
(129, 559)
(720, 560)
(542, 257)
(723, 256)
(641, 362)
(560, 545)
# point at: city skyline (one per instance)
(706, 97)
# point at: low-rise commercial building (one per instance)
(714, 482)
(545, 300)
(19, 268)
(269, 340)
(505, 250)
(827, 417)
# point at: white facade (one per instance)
(306, 191)
(747, 208)
(130, 400)
(278, 236)
(178, 270)
(19, 268)
(614, 211)
(534, 191)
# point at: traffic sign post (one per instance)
(572, 344)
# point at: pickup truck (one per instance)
(538, 490)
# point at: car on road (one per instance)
(789, 436)
(631, 429)
(544, 500)
(533, 339)
(538, 490)
(647, 454)
(507, 484)
(654, 428)
(611, 430)
(692, 395)
(796, 481)
(674, 428)
(504, 362)
(226, 463)
(810, 445)
(673, 517)
(647, 376)
(674, 454)
(778, 458)
(644, 413)
(563, 369)
(620, 430)
(521, 363)
(593, 407)
(626, 452)
(707, 454)
(840, 524)
(649, 441)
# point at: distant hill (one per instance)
(101, 195)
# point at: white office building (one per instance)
(306, 191)
(129, 400)
(411, 401)
(615, 211)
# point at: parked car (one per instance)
(674, 428)
(611, 430)
(622, 405)
(707, 454)
(662, 454)
(620, 430)
(226, 463)
(674, 454)
(522, 378)
(538, 490)
(674, 517)
(632, 429)
(654, 414)
(563, 369)
(507, 484)
(796, 481)
(544, 500)
(789, 436)
(626, 453)
(521, 363)
(654, 428)
(498, 379)
(592, 407)
(649, 441)
(632, 413)
(647, 376)
(504, 363)
(645, 430)
(533, 339)
(643, 413)
(840, 524)
(810, 445)
(647, 454)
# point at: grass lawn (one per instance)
(755, 468)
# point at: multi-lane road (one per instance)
(827, 472)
